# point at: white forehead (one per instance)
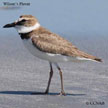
(20, 19)
(23, 18)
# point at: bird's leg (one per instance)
(61, 77)
(50, 77)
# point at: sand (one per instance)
(22, 74)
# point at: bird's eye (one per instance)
(23, 20)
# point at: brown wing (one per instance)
(57, 45)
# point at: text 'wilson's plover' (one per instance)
(48, 46)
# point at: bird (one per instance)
(46, 45)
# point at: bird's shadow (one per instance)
(35, 93)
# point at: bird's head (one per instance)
(25, 24)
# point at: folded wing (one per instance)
(57, 45)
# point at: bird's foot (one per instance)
(62, 93)
(46, 92)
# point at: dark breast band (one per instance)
(24, 35)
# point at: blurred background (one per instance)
(83, 22)
(71, 17)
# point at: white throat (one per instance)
(24, 29)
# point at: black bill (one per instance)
(9, 25)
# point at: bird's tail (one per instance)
(89, 57)
(98, 59)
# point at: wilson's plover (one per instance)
(48, 46)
